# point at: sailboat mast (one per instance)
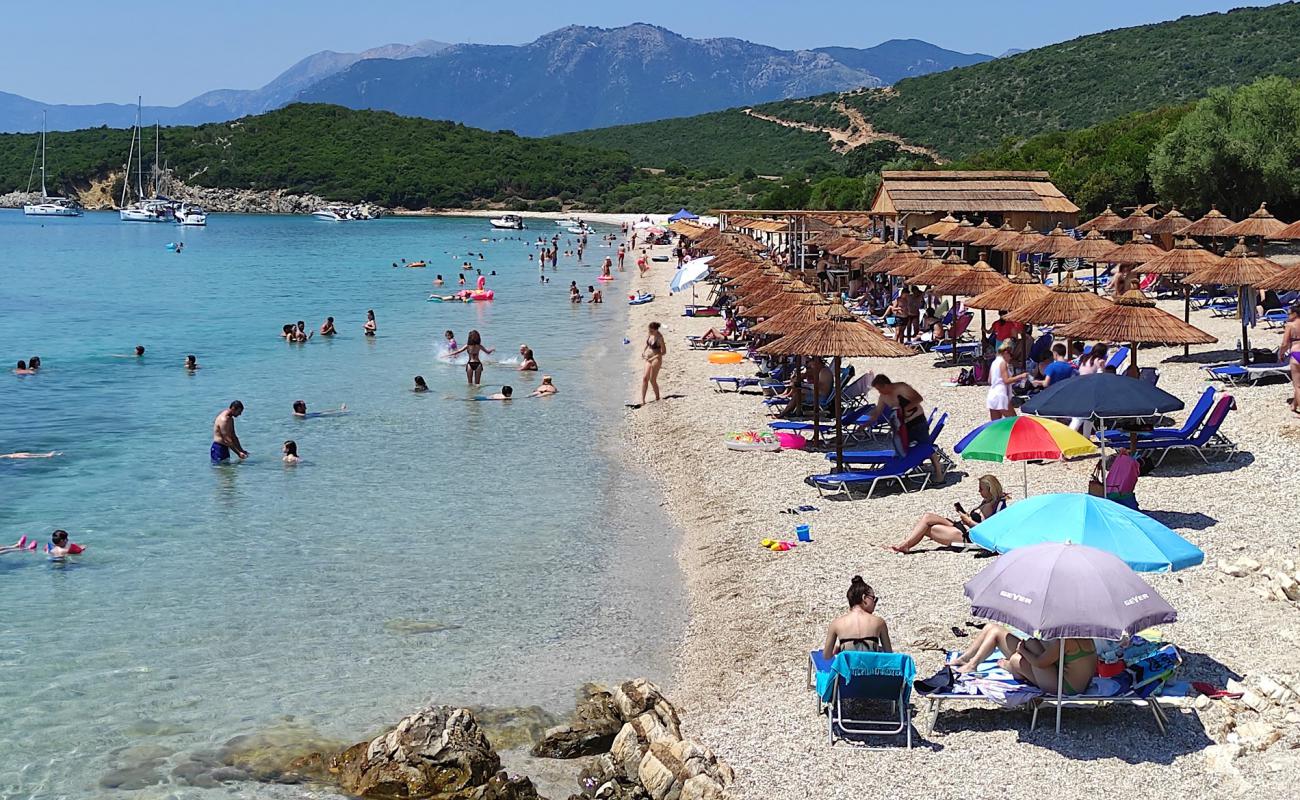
(126, 174)
(139, 164)
(44, 194)
(157, 171)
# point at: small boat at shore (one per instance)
(512, 222)
(341, 212)
(49, 206)
(191, 216)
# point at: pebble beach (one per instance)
(741, 671)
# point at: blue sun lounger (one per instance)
(1237, 375)
(865, 680)
(882, 455)
(901, 469)
(1194, 420)
(1118, 358)
(1208, 439)
(721, 381)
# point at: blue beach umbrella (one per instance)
(690, 272)
(1139, 541)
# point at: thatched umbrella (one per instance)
(1105, 221)
(1186, 257)
(1240, 269)
(1260, 225)
(1022, 289)
(1092, 248)
(1291, 231)
(1130, 254)
(959, 230)
(1134, 319)
(975, 281)
(938, 229)
(938, 271)
(1288, 280)
(1211, 225)
(1000, 235)
(839, 335)
(808, 308)
(899, 257)
(1026, 238)
(1065, 302)
(968, 235)
(1139, 221)
(1170, 224)
(1050, 243)
(916, 265)
(866, 262)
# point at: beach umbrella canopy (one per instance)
(1024, 439)
(975, 280)
(1139, 222)
(1058, 590)
(965, 235)
(1170, 224)
(1134, 318)
(1138, 540)
(1105, 221)
(1261, 224)
(1025, 238)
(958, 230)
(1102, 396)
(1065, 302)
(998, 236)
(1093, 247)
(1237, 268)
(902, 256)
(1291, 231)
(1022, 289)
(694, 270)
(683, 214)
(1288, 280)
(807, 309)
(1212, 224)
(1186, 257)
(1136, 251)
(937, 272)
(938, 229)
(917, 264)
(1053, 241)
(867, 263)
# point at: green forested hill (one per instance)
(339, 154)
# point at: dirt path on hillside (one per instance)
(860, 132)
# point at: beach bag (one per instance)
(964, 377)
(1156, 666)
(979, 373)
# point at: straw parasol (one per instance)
(938, 229)
(969, 235)
(1240, 269)
(901, 256)
(917, 264)
(1004, 234)
(1136, 251)
(1065, 302)
(1212, 224)
(1139, 221)
(1049, 244)
(1261, 224)
(1291, 231)
(937, 272)
(1022, 289)
(1094, 247)
(1105, 221)
(807, 308)
(1186, 257)
(1288, 280)
(959, 230)
(1133, 318)
(839, 335)
(975, 281)
(1169, 224)
(1026, 237)
(868, 261)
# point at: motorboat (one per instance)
(568, 223)
(49, 206)
(341, 212)
(580, 230)
(512, 222)
(191, 216)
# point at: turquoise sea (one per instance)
(428, 548)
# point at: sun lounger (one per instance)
(1208, 440)
(721, 382)
(903, 469)
(886, 454)
(1237, 375)
(1273, 319)
(701, 343)
(1194, 420)
(1223, 309)
(702, 311)
(1117, 359)
(864, 679)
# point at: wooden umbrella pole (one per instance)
(1187, 315)
(1245, 335)
(839, 423)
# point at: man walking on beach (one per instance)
(224, 438)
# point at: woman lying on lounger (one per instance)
(859, 628)
(951, 532)
(1034, 660)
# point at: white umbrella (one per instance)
(643, 224)
(690, 272)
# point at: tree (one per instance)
(836, 194)
(1235, 149)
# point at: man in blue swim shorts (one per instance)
(224, 438)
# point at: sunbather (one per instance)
(859, 628)
(1034, 660)
(950, 532)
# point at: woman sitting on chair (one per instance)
(859, 628)
(953, 532)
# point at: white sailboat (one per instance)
(154, 209)
(49, 206)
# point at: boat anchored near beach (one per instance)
(191, 216)
(512, 222)
(341, 212)
(144, 209)
(49, 206)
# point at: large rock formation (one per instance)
(595, 723)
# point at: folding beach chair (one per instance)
(1209, 439)
(865, 680)
(900, 469)
(1189, 427)
(1117, 359)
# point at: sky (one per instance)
(87, 51)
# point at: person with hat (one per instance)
(1000, 381)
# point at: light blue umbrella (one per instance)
(1136, 539)
(690, 272)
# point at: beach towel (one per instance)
(847, 665)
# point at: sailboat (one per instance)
(154, 209)
(49, 206)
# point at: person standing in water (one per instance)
(474, 366)
(654, 352)
(224, 438)
(371, 326)
(327, 327)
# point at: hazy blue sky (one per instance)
(81, 51)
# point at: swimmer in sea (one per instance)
(546, 389)
(23, 369)
(20, 546)
(50, 454)
(34, 363)
(437, 281)
(605, 267)
(59, 545)
(505, 394)
(300, 334)
(474, 366)
(420, 385)
(139, 353)
(596, 296)
(526, 361)
(450, 337)
(191, 363)
(286, 332)
(224, 438)
(300, 410)
(290, 451)
(462, 279)
(327, 327)
(371, 326)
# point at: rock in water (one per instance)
(438, 752)
(596, 722)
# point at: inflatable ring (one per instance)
(726, 358)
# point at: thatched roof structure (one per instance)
(839, 334)
(1170, 224)
(1212, 224)
(916, 265)
(1105, 221)
(1094, 247)
(1237, 268)
(1261, 224)
(1139, 221)
(938, 229)
(968, 192)
(1135, 319)
(968, 235)
(941, 271)
(1022, 289)
(1137, 251)
(1186, 257)
(1065, 302)
(1048, 244)
(1025, 238)
(976, 280)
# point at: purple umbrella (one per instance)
(1059, 590)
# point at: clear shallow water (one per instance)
(215, 601)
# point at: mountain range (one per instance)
(571, 79)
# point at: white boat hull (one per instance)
(135, 215)
(50, 210)
(193, 220)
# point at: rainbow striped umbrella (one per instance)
(1024, 439)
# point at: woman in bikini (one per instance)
(859, 628)
(910, 425)
(474, 367)
(1289, 352)
(654, 352)
(951, 532)
(371, 326)
(1033, 660)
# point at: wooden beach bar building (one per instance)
(908, 200)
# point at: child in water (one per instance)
(420, 385)
(451, 340)
(290, 451)
(59, 545)
(546, 389)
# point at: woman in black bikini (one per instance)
(952, 532)
(655, 349)
(474, 367)
(909, 421)
(859, 628)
